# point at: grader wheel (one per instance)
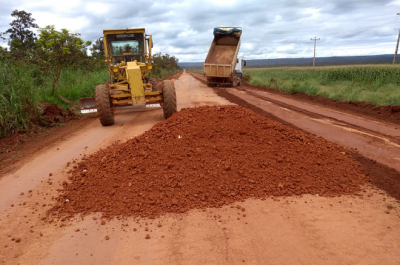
(102, 97)
(153, 83)
(169, 98)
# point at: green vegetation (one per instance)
(379, 84)
(23, 87)
(164, 66)
(53, 68)
(60, 48)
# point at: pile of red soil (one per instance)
(206, 157)
(51, 114)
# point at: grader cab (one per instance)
(129, 61)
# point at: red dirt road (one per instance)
(284, 230)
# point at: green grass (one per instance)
(17, 98)
(379, 84)
(23, 87)
(163, 73)
(72, 85)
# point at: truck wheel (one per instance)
(238, 80)
(169, 98)
(102, 97)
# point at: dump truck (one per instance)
(219, 66)
(239, 69)
(129, 61)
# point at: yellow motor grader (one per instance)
(129, 62)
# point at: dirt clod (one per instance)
(171, 174)
(18, 240)
(147, 236)
(107, 237)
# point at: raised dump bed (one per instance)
(220, 64)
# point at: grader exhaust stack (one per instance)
(129, 62)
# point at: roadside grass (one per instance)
(198, 71)
(378, 84)
(72, 85)
(23, 87)
(160, 74)
(17, 98)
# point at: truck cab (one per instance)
(238, 69)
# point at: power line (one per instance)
(315, 47)
(397, 45)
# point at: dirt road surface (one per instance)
(291, 230)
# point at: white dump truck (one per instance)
(222, 65)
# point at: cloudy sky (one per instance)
(271, 29)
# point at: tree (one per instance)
(59, 47)
(22, 39)
(164, 64)
(97, 52)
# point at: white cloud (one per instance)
(70, 23)
(284, 48)
(97, 8)
(271, 29)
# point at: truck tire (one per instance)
(169, 98)
(238, 80)
(102, 97)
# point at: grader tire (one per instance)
(102, 97)
(153, 83)
(169, 98)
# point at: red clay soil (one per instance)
(206, 157)
(381, 176)
(52, 114)
(17, 148)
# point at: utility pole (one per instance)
(397, 46)
(315, 46)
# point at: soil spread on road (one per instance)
(206, 157)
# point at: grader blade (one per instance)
(87, 105)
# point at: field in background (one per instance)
(379, 84)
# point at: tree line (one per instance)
(53, 50)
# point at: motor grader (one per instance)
(129, 61)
